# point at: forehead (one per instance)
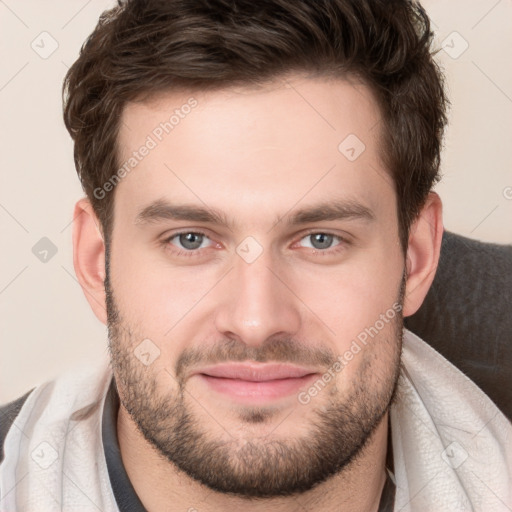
(326, 107)
(296, 139)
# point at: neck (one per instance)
(158, 483)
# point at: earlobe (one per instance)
(423, 251)
(89, 257)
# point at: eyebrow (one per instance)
(346, 209)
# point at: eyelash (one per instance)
(192, 253)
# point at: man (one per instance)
(259, 220)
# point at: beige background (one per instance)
(46, 323)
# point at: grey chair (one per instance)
(467, 314)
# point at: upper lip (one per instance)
(256, 372)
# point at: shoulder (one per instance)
(8, 414)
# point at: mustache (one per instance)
(282, 350)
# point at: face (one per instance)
(255, 282)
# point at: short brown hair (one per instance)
(143, 47)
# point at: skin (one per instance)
(256, 156)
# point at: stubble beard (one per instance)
(258, 467)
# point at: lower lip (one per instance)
(256, 391)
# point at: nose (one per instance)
(256, 302)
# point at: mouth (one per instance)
(256, 382)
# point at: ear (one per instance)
(425, 239)
(89, 257)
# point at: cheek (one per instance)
(150, 291)
(353, 296)
(358, 302)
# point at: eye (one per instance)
(188, 243)
(322, 241)
(188, 240)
